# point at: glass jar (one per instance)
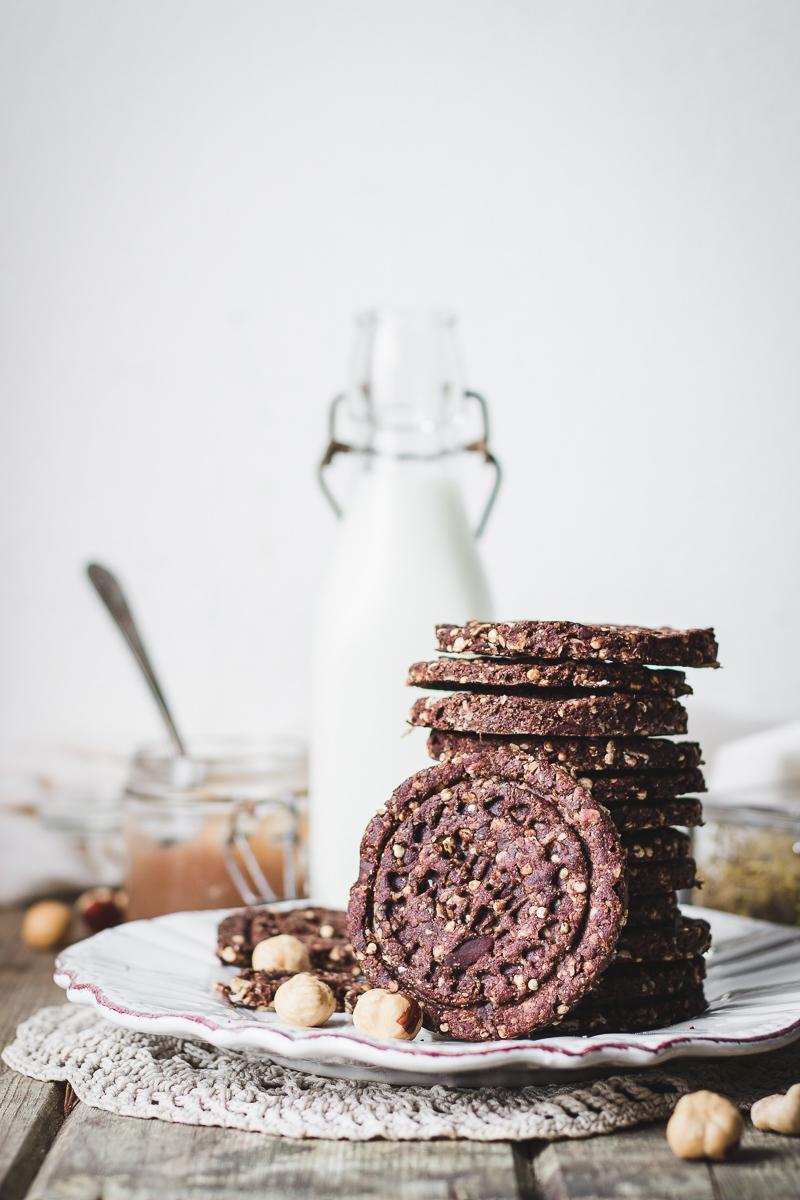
(748, 855)
(224, 826)
(60, 820)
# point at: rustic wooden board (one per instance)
(639, 1165)
(97, 1153)
(636, 1164)
(767, 1165)
(30, 1112)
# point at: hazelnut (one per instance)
(779, 1113)
(383, 1014)
(101, 908)
(46, 924)
(283, 954)
(304, 1000)
(704, 1125)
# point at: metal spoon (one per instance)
(110, 592)
(184, 771)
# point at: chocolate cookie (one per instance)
(240, 931)
(626, 983)
(571, 640)
(656, 844)
(684, 812)
(256, 989)
(660, 908)
(587, 1019)
(491, 891)
(468, 712)
(577, 755)
(331, 954)
(643, 785)
(668, 876)
(691, 937)
(468, 673)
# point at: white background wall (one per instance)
(196, 197)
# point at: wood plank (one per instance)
(767, 1165)
(97, 1153)
(26, 977)
(639, 1164)
(30, 1112)
(636, 1164)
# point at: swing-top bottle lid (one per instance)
(406, 390)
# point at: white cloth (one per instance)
(146, 1075)
(765, 761)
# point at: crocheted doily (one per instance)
(146, 1075)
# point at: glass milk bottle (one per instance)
(404, 558)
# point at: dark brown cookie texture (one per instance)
(491, 891)
(619, 714)
(578, 755)
(656, 844)
(643, 785)
(653, 1013)
(668, 876)
(331, 954)
(691, 936)
(688, 813)
(322, 929)
(467, 673)
(659, 909)
(557, 640)
(256, 989)
(627, 983)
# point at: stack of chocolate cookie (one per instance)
(597, 700)
(530, 879)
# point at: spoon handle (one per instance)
(110, 592)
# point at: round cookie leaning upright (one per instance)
(492, 891)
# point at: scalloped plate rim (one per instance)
(342, 1046)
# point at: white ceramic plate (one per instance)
(158, 976)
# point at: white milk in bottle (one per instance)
(404, 558)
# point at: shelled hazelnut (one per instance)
(704, 1125)
(779, 1113)
(46, 924)
(304, 1001)
(283, 954)
(383, 1014)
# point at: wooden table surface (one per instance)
(92, 1155)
